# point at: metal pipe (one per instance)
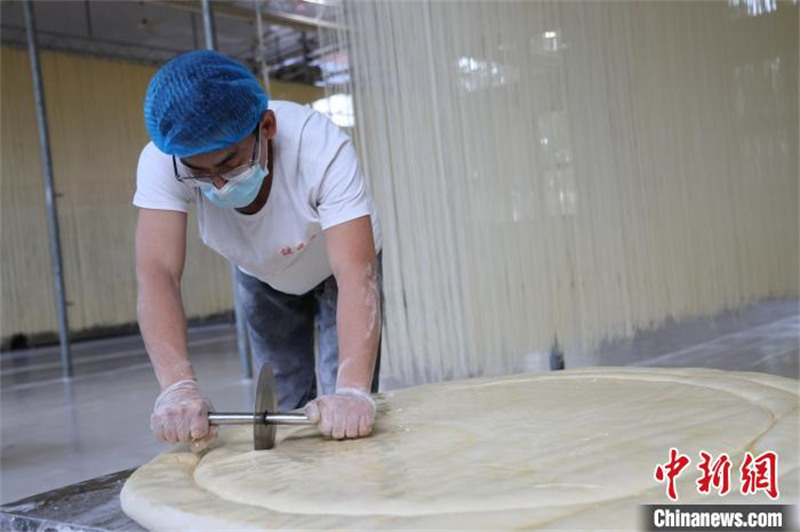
(88, 10)
(282, 418)
(208, 25)
(229, 10)
(238, 312)
(262, 63)
(232, 418)
(58, 41)
(242, 341)
(239, 418)
(52, 211)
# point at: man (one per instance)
(278, 191)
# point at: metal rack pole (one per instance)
(52, 212)
(238, 312)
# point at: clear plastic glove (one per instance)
(181, 415)
(349, 413)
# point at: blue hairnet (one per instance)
(202, 101)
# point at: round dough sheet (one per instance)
(531, 450)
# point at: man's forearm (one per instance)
(163, 325)
(358, 321)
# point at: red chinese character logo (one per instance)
(717, 474)
(760, 473)
(670, 470)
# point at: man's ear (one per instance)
(269, 124)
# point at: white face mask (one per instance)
(238, 194)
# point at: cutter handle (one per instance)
(232, 418)
(237, 418)
(285, 418)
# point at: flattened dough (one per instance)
(573, 449)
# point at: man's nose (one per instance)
(219, 182)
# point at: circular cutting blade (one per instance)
(266, 401)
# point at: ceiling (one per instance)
(153, 31)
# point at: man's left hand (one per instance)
(349, 413)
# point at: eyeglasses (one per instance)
(231, 176)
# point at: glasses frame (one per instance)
(208, 179)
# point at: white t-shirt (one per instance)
(316, 184)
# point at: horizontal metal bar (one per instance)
(281, 418)
(92, 40)
(232, 418)
(221, 9)
(77, 44)
(240, 418)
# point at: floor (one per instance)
(763, 337)
(56, 433)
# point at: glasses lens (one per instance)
(238, 173)
(197, 178)
(198, 181)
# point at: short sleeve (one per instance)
(156, 186)
(341, 191)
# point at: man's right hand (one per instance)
(181, 416)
